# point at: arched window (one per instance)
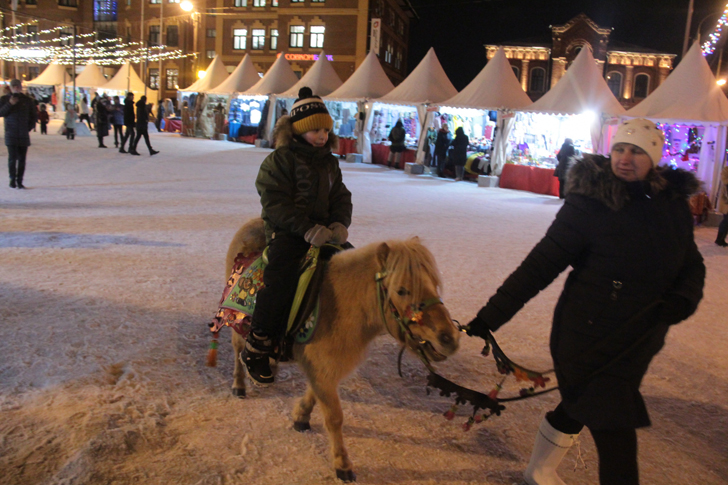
(538, 80)
(517, 72)
(641, 85)
(614, 81)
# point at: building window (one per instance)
(273, 39)
(154, 35)
(31, 2)
(517, 72)
(66, 36)
(67, 3)
(297, 35)
(172, 78)
(211, 33)
(33, 72)
(398, 59)
(641, 85)
(154, 78)
(241, 3)
(172, 35)
(239, 38)
(32, 33)
(318, 1)
(614, 81)
(538, 80)
(128, 34)
(258, 3)
(274, 3)
(317, 36)
(388, 53)
(104, 11)
(156, 2)
(210, 54)
(296, 1)
(258, 40)
(173, 1)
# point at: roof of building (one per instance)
(624, 47)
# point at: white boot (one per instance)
(548, 451)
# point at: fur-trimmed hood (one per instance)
(283, 134)
(592, 176)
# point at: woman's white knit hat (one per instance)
(644, 134)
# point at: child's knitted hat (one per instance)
(309, 113)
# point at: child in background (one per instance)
(43, 118)
(70, 122)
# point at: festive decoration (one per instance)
(708, 46)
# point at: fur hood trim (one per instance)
(592, 176)
(283, 134)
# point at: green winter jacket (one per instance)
(301, 185)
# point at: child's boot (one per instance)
(256, 356)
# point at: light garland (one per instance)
(708, 46)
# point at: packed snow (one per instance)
(112, 265)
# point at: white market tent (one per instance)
(91, 77)
(494, 88)
(126, 79)
(279, 78)
(582, 91)
(368, 81)
(215, 75)
(52, 75)
(242, 78)
(690, 95)
(321, 78)
(426, 84)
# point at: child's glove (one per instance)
(340, 233)
(318, 235)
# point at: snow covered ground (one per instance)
(112, 265)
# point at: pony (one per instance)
(365, 292)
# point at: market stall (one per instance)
(127, 80)
(692, 110)
(242, 78)
(348, 104)
(408, 102)
(207, 104)
(495, 90)
(88, 81)
(52, 80)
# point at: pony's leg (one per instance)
(302, 412)
(328, 399)
(239, 372)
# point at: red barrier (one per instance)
(380, 154)
(532, 179)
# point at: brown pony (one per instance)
(355, 309)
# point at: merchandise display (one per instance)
(683, 144)
(244, 115)
(385, 116)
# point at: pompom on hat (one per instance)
(309, 113)
(644, 134)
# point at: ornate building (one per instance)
(631, 72)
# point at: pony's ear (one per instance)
(415, 239)
(383, 253)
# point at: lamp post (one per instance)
(161, 43)
(700, 25)
(187, 6)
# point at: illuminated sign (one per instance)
(305, 57)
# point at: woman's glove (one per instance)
(478, 328)
(340, 233)
(318, 235)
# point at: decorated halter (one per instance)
(412, 316)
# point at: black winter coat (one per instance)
(564, 158)
(397, 137)
(129, 119)
(443, 142)
(636, 269)
(102, 119)
(142, 118)
(20, 118)
(460, 148)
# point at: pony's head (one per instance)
(411, 306)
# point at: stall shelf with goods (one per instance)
(202, 113)
(426, 85)
(692, 111)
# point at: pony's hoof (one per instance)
(239, 392)
(346, 476)
(302, 426)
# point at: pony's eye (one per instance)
(403, 291)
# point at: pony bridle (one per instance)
(412, 316)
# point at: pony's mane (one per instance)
(407, 260)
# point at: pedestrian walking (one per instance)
(84, 114)
(20, 116)
(101, 113)
(142, 126)
(627, 231)
(117, 120)
(129, 122)
(43, 118)
(723, 209)
(70, 122)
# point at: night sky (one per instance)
(458, 29)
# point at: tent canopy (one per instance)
(428, 83)
(495, 87)
(90, 77)
(278, 79)
(126, 79)
(215, 75)
(52, 75)
(689, 94)
(321, 78)
(580, 90)
(368, 81)
(243, 77)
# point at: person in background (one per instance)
(70, 122)
(566, 153)
(723, 209)
(84, 113)
(36, 103)
(54, 100)
(117, 120)
(460, 152)
(444, 138)
(43, 118)
(160, 115)
(20, 115)
(101, 113)
(129, 122)
(142, 126)
(627, 231)
(397, 137)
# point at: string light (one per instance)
(708, 46)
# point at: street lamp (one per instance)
(187, 6)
